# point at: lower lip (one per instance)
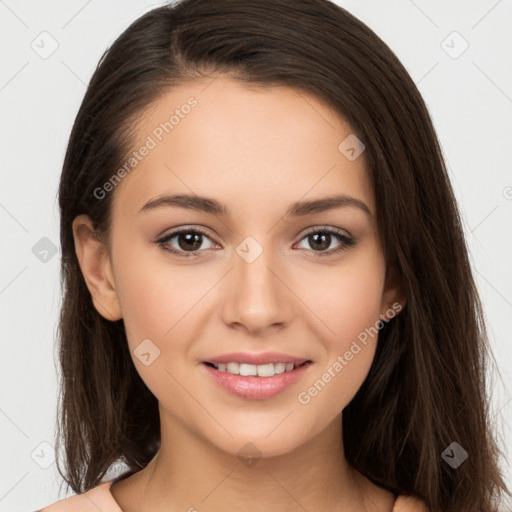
(256, 388)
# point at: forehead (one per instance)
(252, 148)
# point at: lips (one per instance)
(255, 387)
(257, 359)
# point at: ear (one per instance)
(393, 296)
(94, 259)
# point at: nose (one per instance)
(257, 297)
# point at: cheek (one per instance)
(154, 295)
(347, 298)
(157, 303)
(334, 385)
(347, 303)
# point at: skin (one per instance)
(257, 151)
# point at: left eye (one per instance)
(322, 238)
(190, 241)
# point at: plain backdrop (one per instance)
(469, 94)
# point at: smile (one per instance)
(256, 382)
(259, 370)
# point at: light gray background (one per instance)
(470, 100)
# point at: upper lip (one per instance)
(257, 359)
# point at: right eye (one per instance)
(188, 240)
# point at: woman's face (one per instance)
(256, 279)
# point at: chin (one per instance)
(250, 445)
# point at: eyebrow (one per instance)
(213, 207)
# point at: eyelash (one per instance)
(346, 241)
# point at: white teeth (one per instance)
(248, 369)
(265, 370)
(279, 367)
(260, 370)
(233, 368)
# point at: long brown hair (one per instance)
(427, 385)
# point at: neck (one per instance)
(190, 473)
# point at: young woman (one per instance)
(268, 303)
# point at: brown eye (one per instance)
(187, 240)
(320, 240)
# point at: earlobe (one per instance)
(96, 267)
(393, 296)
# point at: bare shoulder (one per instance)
(97, 498)
(409, 503)
(71, 504)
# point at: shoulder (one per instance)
(409, 503)
(97, 498)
